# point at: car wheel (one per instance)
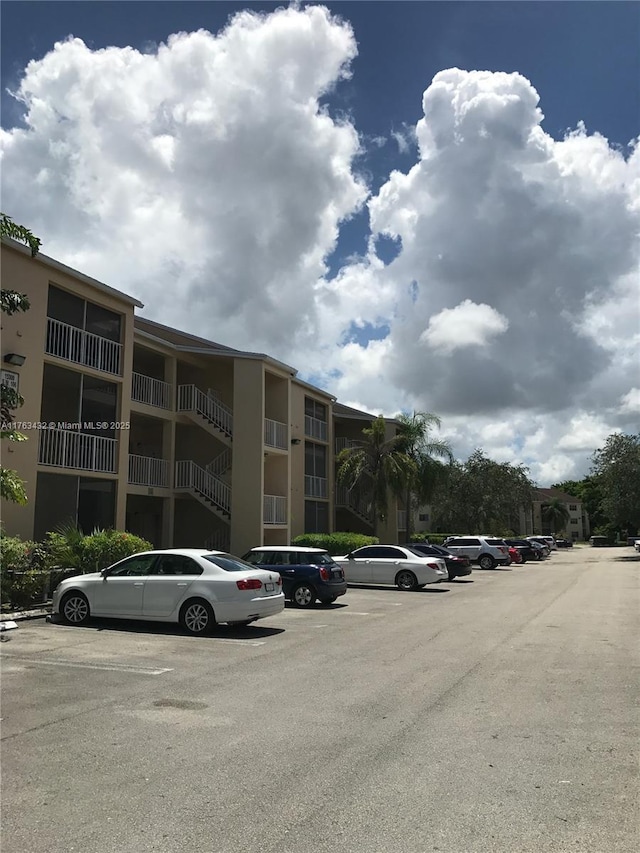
(487, 562)
(406, 580)
(197, 617)
(74, 608)
(304, 595)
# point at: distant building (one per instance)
(577, 526)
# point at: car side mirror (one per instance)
(104, 573)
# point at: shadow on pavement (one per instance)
(169, 629)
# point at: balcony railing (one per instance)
(148, 471)
(275, 434)
(360, 504)
(65, 448)
(315, 428)
(402, 519)
(341, 443)
(274, 509)
(315, 487)
(77, 345)
(192, 399)
(153, 392)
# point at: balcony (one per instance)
(275, 434)
(274, 509)
(341, 443)
(65, 448)
(76, 345)
(153, 392)
(401, 519)
(315, 428)
(148, 471)
(315, 487)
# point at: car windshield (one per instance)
(228, 562)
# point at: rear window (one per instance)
(496, 542)
(228, 562)
(322, 559)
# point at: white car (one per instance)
(636, 544)
(196, 588)
(392, 564)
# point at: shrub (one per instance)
(335, 543)
(105, 547)
(22, 580)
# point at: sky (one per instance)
(421, 206)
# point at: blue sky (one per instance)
(489, 276)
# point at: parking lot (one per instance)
(494, 713)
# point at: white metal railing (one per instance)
(220, 464)
(402, 519)
(361, 504)
(192, 399)
(81, 347)
(153, 392)
(148, 471)
(315, 487)
(341, 443)
(274, 509)
(315, 428)
(218, 541)
(275, 434)
(189, 475)
(65, 448)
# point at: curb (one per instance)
(24, 615)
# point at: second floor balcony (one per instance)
(274, 509)
(315, 487)
(148, 471)
(69, 448)
(315, 428)
(152, 392)
(275, 434)
(81, 347)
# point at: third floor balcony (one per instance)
(152, 392)
(81, 347)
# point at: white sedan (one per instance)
(196, 588)
(392, 564)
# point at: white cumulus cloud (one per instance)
(466, 325)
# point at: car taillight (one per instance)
(325, 575)
(433, 566)
(250, 583)
(279, 581)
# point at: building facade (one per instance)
(142, 427)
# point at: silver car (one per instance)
(392, 564)
(196, 588)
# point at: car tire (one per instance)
(197, 617)
(304, 595)
(406, 580)
(486, 561)
(74, 608)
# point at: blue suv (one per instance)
(307, 574)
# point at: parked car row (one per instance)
(198, 588)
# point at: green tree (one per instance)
(11, 485)
(376, 467)
(555, 513)
(483, 496)
(416, 443)
(617, 468)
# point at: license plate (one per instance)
(269, 587)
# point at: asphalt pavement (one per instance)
(494, 714)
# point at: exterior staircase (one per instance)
(221, 464)
(207, 411)
(358, 504)
(209, 489)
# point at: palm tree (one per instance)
(375, 464)
(416, 443)
(555, 512)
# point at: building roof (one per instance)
(56, 265)
(340, 409)
(548, 494)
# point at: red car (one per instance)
(516, 556)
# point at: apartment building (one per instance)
(577, 526)
(143, 427)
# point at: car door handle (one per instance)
(182, 584)
(138, 583)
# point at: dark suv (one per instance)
(457, 566)
(307, 573)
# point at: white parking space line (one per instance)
(112, 667)
(237, 642)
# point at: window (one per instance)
(423, 516)
(315, 459)
(314, 409)
(573, 507)
(460, 543)
(227, 562)
(176, 564)
(316, 517)
(138, 566)
(379, 552)
(574, 521)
